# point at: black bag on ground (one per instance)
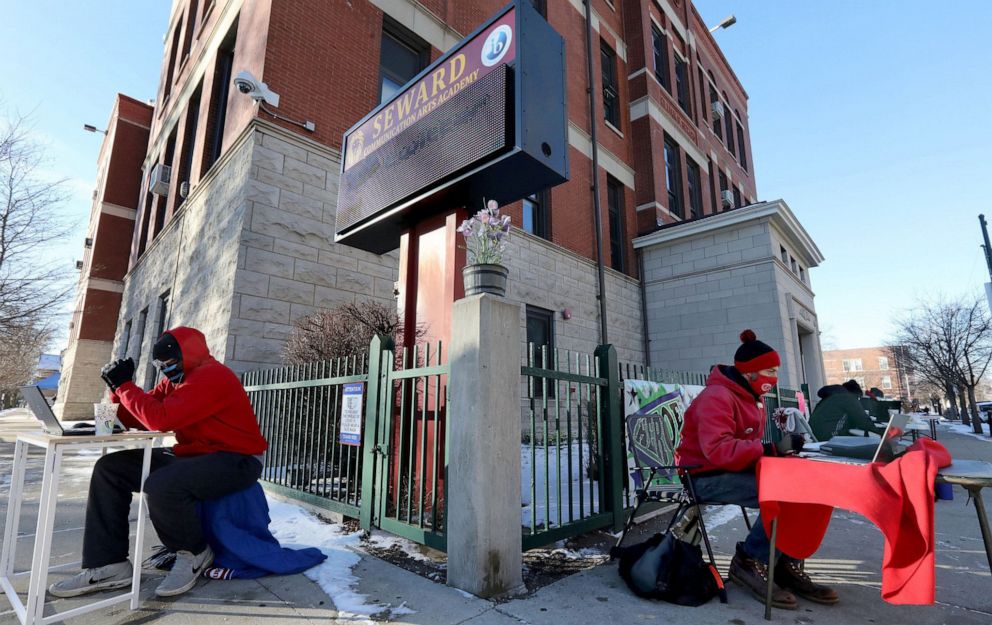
(668, 569)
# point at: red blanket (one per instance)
(897, 497)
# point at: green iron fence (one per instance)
(570, 445)
(299, 412)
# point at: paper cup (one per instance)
(104, 416)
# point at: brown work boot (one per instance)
(753, 575)
(790, 574)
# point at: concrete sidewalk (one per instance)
(850, 559)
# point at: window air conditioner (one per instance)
(717, 107)
(159, 182)
(184, 189)
(88, 242)
(727, 197)
(79, 265)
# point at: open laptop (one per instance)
(43, 412)
(852, 449)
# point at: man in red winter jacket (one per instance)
(218, 452)
(721, 439)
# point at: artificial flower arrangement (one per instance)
(486, 234)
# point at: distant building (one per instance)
(878, 367)
(46, 374)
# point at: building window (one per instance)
(714, 207)
(737, 198)
(125, 340)
(793, 266)
(741, 152)
(673, 177)
(682, 84)
(701, 95)
(695, 191)
(728, 120)
(661, 58)
(853, 364)
(883, 363)
(614, 203)
(784, 255)
(886, 382)
(189, 142)
(190, 27)
(861, 382)
(541, 346)
(402, 56)
(611, 92)
(160, 327)
(802, 274)
(537, 210)
(217, 115)
(139, 335)
(723, 187)
(173, 52)
(714, 100)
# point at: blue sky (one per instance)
(62, 64)
(869, 118)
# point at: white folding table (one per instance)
(31, 611)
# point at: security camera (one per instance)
(255, 88)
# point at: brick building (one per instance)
(237, 239)
(878, 367)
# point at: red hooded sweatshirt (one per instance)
(208, 410)
(723, 427)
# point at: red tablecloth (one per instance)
(897, 497)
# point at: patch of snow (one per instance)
(555, 474)
(714, 517)
(461, 592)
(967, 430)
(382, 540)
(296, 527)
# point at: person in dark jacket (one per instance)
(218, 452)
(840, 411)
(722, 439)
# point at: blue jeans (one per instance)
(737, 489)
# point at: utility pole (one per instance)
(986, 247)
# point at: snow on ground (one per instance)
(556, 458)
(958, 428)
(383, 540)
(295, 527)
(715, 516)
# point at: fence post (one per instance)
(611, 421)
(379, 345)
(483, 528)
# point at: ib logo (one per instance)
(497, 44)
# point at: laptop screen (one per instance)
(42, 411)
(893, 432)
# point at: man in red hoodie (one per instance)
(218, 452)
(721, 440)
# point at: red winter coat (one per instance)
(208, 410)
(723, 427)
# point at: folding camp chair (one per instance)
(651, 442)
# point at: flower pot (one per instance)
(487, 278)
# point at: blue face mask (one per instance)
(173, 371)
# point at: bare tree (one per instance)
(341, 332)
(30, 285)
(949, 343)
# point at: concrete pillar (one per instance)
(483, 529)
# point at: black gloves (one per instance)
(790, 444)
(118, 372)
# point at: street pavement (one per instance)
(850, 559)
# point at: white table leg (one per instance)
(9, 552)
(35, 605)
(139, 535)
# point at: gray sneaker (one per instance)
(185, 571)
(110, 577)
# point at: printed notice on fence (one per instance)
(351, 415)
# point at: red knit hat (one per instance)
(753, 355)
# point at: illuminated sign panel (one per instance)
(486, 119)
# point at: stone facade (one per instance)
(548, 276)
(82, 361)
(707, 280)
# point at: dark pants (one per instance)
(173, 488)
(740, 489)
